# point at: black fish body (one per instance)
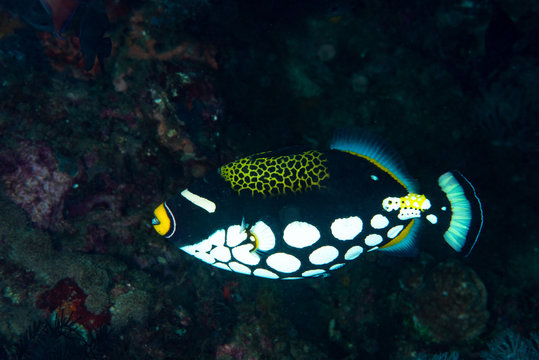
(295, 214)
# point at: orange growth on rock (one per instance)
(67, 299)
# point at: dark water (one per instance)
(178, 88)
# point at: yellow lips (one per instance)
(161, 222)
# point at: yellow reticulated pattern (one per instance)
(415, 201)
(276, 175)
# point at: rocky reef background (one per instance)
(85, 156)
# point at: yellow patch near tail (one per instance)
(415, 201)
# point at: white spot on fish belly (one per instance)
(313, 272)
(346, 228)
(283, 262)
(353, 252)
(235, 234)
(221, 253)
(323, 255)
(373, 240)
(265, 274)
(217, 238)
(239, 268)
(379, 221)
(207, 258)
(203, 246)
(336, 266)
(300, 234)
(394, 231)
(243, 254)
(222, 266)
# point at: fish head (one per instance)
(184, 218)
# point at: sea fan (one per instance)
(511, 346)
(60, 338)
(442, 356)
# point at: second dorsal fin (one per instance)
(364, 144)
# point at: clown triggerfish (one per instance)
(296, 214)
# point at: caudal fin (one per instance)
(466, 212)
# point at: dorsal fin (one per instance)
(363, 143)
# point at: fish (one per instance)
(93, 42)
(58, 16)
(61, 12)
(298, 213)
(94, 23)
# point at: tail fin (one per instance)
(466, 212)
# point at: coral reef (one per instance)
(65, 55)
(193, 84)
(130, 307)
(66, 298)
(452, 306)
(33, 180)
